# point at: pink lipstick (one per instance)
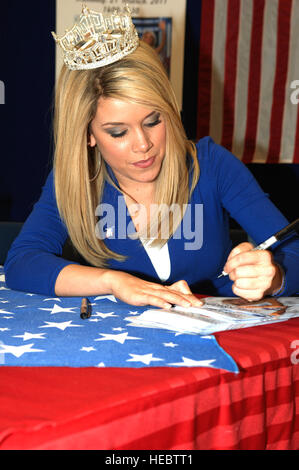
(145, 163)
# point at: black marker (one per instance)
(275, 238)
(85, 310)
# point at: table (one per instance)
(158, 407)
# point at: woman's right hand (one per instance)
(135, 291)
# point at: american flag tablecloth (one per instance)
(149, 406)
(42, 331)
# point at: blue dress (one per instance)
(198, 250)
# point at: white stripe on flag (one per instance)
(267, 81)
(217, 87)
(241, 102)
(290, 109)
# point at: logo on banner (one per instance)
(2, 92)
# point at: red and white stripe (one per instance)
(248, 61)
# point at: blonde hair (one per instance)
(139, 78)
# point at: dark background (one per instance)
(27, 68)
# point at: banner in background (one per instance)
(161, 23)
(249, 78)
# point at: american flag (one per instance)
(41, 331)
(249, 78)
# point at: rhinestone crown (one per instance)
(98, 40)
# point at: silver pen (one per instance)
(275, 238)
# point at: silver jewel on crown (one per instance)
(98, 40)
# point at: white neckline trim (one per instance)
(159, 257)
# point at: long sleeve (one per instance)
(244, 200)
(33, 262)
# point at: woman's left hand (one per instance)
(254, 273)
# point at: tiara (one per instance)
(98, 40)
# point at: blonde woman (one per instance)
(144, 207)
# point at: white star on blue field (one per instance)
(43, 331)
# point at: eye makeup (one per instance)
(150, 121)
(115, 133)
(155, 121)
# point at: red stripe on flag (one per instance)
(279, 93)
(230, 73)
(205, 68)
(254, 82)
